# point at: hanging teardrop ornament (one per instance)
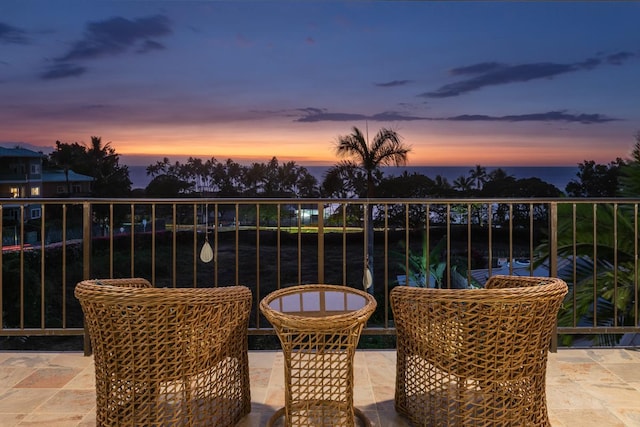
(367, 280)
(206, 253)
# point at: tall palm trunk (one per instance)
(66, 178)
(370, 232)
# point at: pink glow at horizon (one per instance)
(315, 146)
(144, 147)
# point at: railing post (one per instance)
(553, 260)
(86, 240)
(553, 239)
(320, 243)
(86, 260)
(1, 256)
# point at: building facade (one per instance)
(22, 176)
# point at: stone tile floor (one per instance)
(585, 388)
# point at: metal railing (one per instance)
(266, 244)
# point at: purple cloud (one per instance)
(494, 73)
(63, 70)
(551, 116)
(320, 115)
(500, 74)
(150, 45)
(116, 35)
(481, 68)
(312, 115)
(393, 83)
(619, 58)
(13, 35)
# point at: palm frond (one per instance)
(353, 144)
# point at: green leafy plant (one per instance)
(601, 289)
(425, 269)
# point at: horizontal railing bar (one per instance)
(296, 201)
(368, 330)
(41, 332)
(598, 330)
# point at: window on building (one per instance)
(60, 189)
(17, 168)
(36, 213)
(76, 188)
(35, 169)
(15, 192)
(35, 191)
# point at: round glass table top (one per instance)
(316, 303)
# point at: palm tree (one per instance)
(463, 183)
(479, 176)
(498, 174)
(66, 156)
(386, 149)
(111, 179)
(228, 177)
(253, 178)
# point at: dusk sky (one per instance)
(464, 83)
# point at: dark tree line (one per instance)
(596, 180)
(343, 180)
(230, 179)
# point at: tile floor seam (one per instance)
(35, 409)
(613, 413)
(613, 373)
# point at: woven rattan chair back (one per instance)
(167, 356)
(475, 357)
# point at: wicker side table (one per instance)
(319, 327)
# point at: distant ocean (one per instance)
(555, 175)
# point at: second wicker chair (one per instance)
(475, 357)
(167, 356)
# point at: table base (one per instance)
(365, 422)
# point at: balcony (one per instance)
(599, 387)
(266, 244)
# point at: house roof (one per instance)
(58, 176)
(19, 152)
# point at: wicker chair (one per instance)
(167, 356)
(475, 357)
